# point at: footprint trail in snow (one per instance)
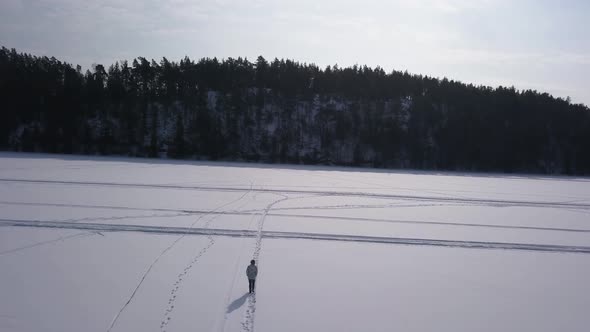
(249, 315)
(178, 283)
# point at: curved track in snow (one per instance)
(249, 314)
(179, 281)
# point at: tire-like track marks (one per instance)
(144, 216)
(437, 223)
(184, 212)
(493, 202)
(319, 217)
(299, 235)
(105, 207)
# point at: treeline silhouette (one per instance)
(286, 111)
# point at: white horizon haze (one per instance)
(540, 45)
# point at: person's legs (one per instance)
(253, 284)
(250, 285)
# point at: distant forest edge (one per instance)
(286, 111)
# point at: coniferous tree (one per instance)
(286, 111)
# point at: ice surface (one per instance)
(163, 245)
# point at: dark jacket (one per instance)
(251, 271)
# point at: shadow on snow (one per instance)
(237, 303)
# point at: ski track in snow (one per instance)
(37, 244)
(247, 323)
(182, 213)
(180, 230)
(110, 218)
(114, 321)
(428, 222)
(492, 202)
(105, 207)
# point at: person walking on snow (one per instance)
(251, 272)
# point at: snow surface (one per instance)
(118, 244)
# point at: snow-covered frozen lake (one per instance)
(118, 244)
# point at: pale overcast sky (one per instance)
(536, 44)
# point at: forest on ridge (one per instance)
(288, 112)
